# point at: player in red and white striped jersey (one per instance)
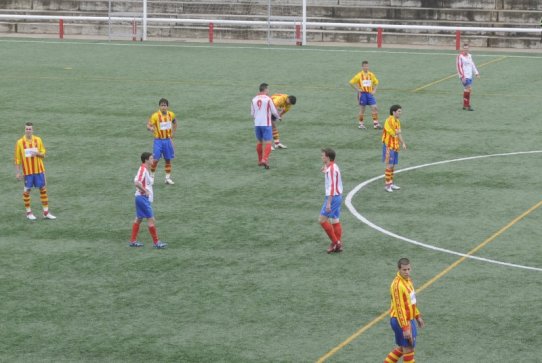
(261, 109)
(331, 209)
(465, 70)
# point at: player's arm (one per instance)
(354, 82)
(418, 317)
(375, 83)
(399, 135)
(150, 125)
(41, 150)
(140, 187)
(18, 162)
(476, 73)
(459, 67)
(274, 110)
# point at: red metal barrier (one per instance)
(298, 40)
(211, 32)
(379, 38)
(61, 29)
(457, 40)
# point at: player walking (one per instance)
(465, 69)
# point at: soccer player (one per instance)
(331, 209)
(465, 69)
(391, 139)
(143, 202)
(404, 315)
(283, 103)
(261, 109)
(365, 82)
(29, 154)
(163, 124)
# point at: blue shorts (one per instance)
(336, 203)
(389, 156)
(163, 147)
(366, 98)
(34, 181)
(399, 338)
(143, 207)
(468, 82)
(263, 133)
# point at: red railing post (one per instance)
(211, 32)
(457, 40)
(61, 29)
(379, 38)
(134, 30)
(298, 40)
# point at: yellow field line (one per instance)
(455, 75)
(430, 282)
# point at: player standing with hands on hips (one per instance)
(404, 314)
(465, 69)
(163, 125)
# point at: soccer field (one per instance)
(246, 277)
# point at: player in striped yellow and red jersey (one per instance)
(163, 124)
(283, 103)
(392, 139)
(404, 314)
(366, 83)
(29, 154)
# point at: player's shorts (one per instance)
(389, 156)
(34, 181)
(336, 202)
(367, 99)
(263, 133)
(467, 82)
(163, 147)
(399, 338)
(143, 207)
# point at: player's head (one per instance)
(329, 153)
(403, 265)
(28, 128)
(365, 65)
(395, 110)
(465, 49)
(292, 100)
(163, 101)
(145, 156)
(263, 87)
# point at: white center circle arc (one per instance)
(360, 217)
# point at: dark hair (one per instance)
(29, 124)
(145, 156)
(403, 262)
(394, 108)
(263, 87)
(292, 100)
(364, 62)
(163, 100)
(330, 153)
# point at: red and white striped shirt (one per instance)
(333, 180)
(144, 177)
(261, 109)
(465, 66)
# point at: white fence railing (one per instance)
(266, 23)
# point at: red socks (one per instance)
(338, 229)
(328, 227)
(466, 99)
(259, 150)
(394, 356)
(154, 234)
(135, 231)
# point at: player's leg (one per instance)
(374, 113)
(394, 355)
(41, 184)
(156, 154)
(388, 173)
(28, 183)
(361, 112)
(335, 214)
(323, 219)
(259, 143)
(467, 88)
(276, 137)
(154, 234)
(135, 232)
(267, 138)
(169, 154)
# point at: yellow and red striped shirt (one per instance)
(392, 127)
(403, 301)
(280, 102)
(366, 81)
(23, 149)
(163, 124)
